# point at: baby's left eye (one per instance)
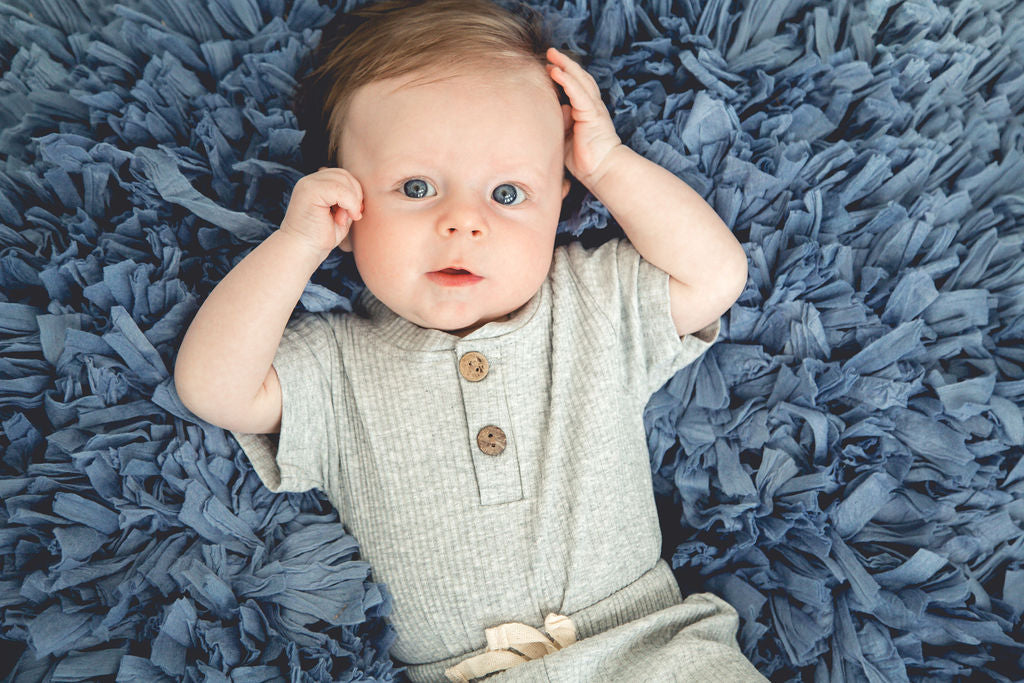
(509, 195)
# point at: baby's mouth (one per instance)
(452, 277)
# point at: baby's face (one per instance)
(465, 172)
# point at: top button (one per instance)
(473, 366)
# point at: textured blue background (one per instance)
(844, 465)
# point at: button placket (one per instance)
(491, 442)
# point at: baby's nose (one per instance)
(464, 217)
(465, 229)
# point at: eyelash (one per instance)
(527, 193)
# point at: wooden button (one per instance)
(473, 366)
(491, 440)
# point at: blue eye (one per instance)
(505, 194)
(417, 188)
(509, 195)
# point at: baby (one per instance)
(477, 419)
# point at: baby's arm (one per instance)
(224, 362)
(666, 221)
(224, 372)
(676, 230)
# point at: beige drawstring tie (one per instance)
(525, 639)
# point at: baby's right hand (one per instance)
(322, 208)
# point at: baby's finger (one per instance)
(344, 186)
(579, 92)
(342, 216)
(584, 106)
(574, 70)
(338, 194)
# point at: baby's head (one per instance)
(444, 113)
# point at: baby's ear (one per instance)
(567, 119)
(565, 186)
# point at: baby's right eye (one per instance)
(417, 188)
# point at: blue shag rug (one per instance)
(844, 466)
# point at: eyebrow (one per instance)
(406, 165)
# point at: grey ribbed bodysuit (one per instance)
(384, 416)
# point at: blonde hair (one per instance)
(397, 37)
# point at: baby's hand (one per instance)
(322, 208)
(593, 133)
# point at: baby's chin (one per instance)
(461, 329)
(464, 331)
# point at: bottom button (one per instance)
(491, 440)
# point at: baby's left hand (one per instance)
(593, 135)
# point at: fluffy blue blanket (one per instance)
(844, 466)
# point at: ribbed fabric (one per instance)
(376, 414)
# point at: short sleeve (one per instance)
(308, 366)
(634, 295)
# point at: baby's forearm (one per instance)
(227, 352)
(669, 223)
